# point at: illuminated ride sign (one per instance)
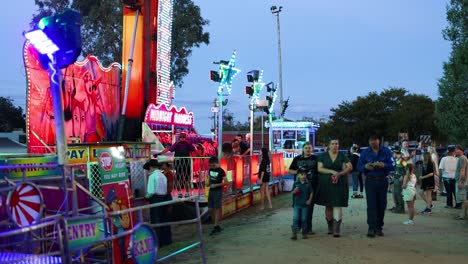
(163, 59)
(163, 114)
(304, 124)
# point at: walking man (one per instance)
(448, 165)
(461, 185)
(376, 162)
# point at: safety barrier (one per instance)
(75, 239)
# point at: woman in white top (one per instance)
(409, 192)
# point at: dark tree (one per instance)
(451, 114)
(388, 113)
(12, 116)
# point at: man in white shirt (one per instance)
(405, 154)
(448, 165)
(156, 192)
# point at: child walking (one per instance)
(302, 197)
(409, 192)
(215, 197)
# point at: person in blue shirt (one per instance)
(376, 162)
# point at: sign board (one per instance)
(31, 171)
(214, 109)
(163, 114)
(112, 165)
(83, 233)
(145, 248)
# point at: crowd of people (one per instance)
(323, 180)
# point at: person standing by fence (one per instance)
(182, 164)
(264, 174)
(217, 179)
(156, 192)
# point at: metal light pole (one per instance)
(276, 11)
(220, 124)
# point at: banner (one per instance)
(118, 196)
(17, 173)
(91, 102)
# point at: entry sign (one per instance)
(145, 248)
(84, 233)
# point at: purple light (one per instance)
(41, 42)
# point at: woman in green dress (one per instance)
(332, 191)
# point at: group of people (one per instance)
(323, 180)
(238, 146)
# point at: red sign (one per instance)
(91, 102)
(163, 114)
(105, 159)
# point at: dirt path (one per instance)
(254, 236)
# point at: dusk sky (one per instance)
(332, 50)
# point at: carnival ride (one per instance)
(77, 196)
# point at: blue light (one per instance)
(41, 42)
(57, 35)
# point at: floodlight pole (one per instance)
(251, 127)
(127, 79)
(276, 12)
(55, 77)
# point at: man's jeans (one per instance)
(376, 197)
(300, 212)
(450, 189)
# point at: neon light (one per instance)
(273, 101)
(163, 57)
(227, 73)
(257, 87)
(164, 114)
(294, 125)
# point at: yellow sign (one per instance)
(77, 155)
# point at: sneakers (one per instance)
(304, 236)
(426, 211)
(294, 236)
(216, 229)
(408, 222)
(371, 233)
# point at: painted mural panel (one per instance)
(91, 101)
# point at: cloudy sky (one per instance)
(332, 51)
